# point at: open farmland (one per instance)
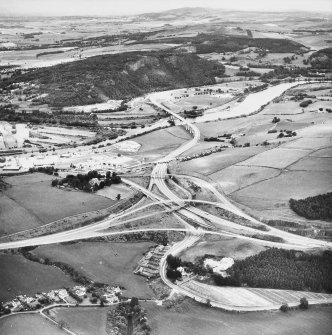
(21, 276)
(235, 177)
(274, 193)
(111, 263)
(28, 324)
(188, 316)
(83, 321)
(162, 141)
(213, 163)
(278, 158)
(34, 196)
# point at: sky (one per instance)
(123, 7)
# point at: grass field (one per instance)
(28, 324)
(83, 321)
(222, 246)
(21, 276)
(31, 202)
(191, 318)
(111, 263)
(162, 141)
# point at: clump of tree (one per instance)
(314, 208)
(172, 271)
(305, 103)
(282, 269)
(276, 120)
(85, 182)
(129, 318)
(304, 304)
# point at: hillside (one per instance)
(322, 59)
(120, 76)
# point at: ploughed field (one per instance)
(31, 202)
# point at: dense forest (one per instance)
(119, 76)
(207, 43)
(282, 269)
(314, 208)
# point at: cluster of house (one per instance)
(71, 296)
(148, 266)
(202, 153)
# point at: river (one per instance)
(248, 106)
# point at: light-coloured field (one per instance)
(283, 108)
(278, 158)
(113, 191)
(252, 297)
(189, 317)
(21, 276)
(28, 324)
(111, 263)
(235, 177)
(276, 192)
(82, 321)
(313, 164)
(223, 247)
(162, 141)
(213, 163)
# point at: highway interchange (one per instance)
(183, 209)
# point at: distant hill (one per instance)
(208, 43)
(120, 76)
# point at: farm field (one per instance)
(83, 321)
(222, 246)
(189, 316)
(28, 324)
(109, 263)
(21, 276)
(313, 164)
(278, 158)
(235, 177)
(32, 202)
(283, 108)
(114, 190)
(276, 192)
(245, 297)
(220, 160)
(162, 141)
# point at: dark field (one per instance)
(21, 276)
(111, 263)
(32, 202)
